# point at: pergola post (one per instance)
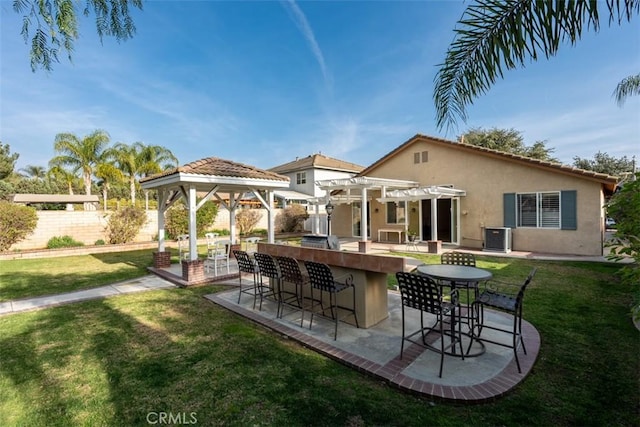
(271, 237)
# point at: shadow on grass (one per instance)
(120, 360)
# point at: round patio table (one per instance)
(459, 276)
(455, 273)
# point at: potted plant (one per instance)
(412, 235)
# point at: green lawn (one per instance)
(120, 360)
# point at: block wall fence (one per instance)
(89, 226)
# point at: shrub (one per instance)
(99, 242)
(63, 242)
(260, 231)
(125, 224)
(177, 219)
(16, 223)
(624, 208)
(247, 219)
(291, 219)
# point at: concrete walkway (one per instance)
(146, 283)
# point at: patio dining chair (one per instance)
(218, 256)
(211, 240)
(507, 298)
(462, 258)
(458, 258)
(183, 246)
(247, 265)
(421, 292)
(268, 269)
(322, 281)
(251, 244)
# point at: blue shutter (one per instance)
(569, 209)
(509, 206)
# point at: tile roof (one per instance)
(558, 167)
(214, 166)
(317, 161)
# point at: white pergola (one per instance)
(356, 189)
(432, 193)
(216, 178)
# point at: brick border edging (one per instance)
(391, 372)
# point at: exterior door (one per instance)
(448, 220)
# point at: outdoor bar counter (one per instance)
(369, 276)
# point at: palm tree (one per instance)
(35, 172)
(57, 173)
(81, 154)
(108, 173)
(138, 160)
(494, 35)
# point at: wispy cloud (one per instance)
(301, 22)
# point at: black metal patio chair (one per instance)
(291, 273)
(322, 281)
(267, 268)
(507, 298)
(423, 293)
(247, 265)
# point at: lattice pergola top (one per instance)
(360, 182)
(213, 171)
(422, 193)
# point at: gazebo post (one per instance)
(161, 258)
(193, 231)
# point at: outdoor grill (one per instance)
(320, 241)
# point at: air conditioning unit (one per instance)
(497, 239)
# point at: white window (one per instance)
(301, 178)
(396, 212)
(539, 210)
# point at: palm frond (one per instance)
(629, 86)
(497, 35)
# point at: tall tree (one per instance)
(7, 160)
(107, 173)
(60, 176)
(57, 25)
(81, 154)
(494, 35)
(509, 141)
(138, 160)
(34, 171)
(604, 163)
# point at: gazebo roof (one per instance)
(214, 171)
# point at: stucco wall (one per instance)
(89, 226)
(84, 226)
(485, 179)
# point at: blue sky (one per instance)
(265, 82)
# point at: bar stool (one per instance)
(291, 273)
(322, 280)
(246, 265)
(268, 268)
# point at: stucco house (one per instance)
(464, 195)
(303, 173)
